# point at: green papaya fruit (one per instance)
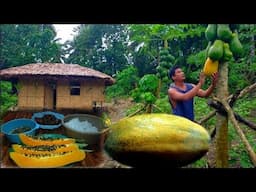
(224, 33)
(207, 49)
(170, 58)
(169, 65)
(211, 32)
(236, 46)
(164, 64)
(216, 50)
(165, 79)
(227, 54)
(163, 52)
(163, 57)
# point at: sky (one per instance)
(65, 31)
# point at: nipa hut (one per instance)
(57, 86)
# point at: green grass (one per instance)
(238, 155)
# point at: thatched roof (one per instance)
(54, 70)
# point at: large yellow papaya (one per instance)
(210, 67)
(156, 140)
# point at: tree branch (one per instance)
(207, 117)
(223, 112)
(244, 91)
(157, 107)
(232, 99)
(239, 131)
(136, 112)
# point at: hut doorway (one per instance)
(50, 95)
(54, 98)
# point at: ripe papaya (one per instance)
(227, 54)
(211, 32)
(210, 67)
(216, 50)
(47, 160)
(44, 149)
(156, 140)
(236, 46)
(34, 141)
(224, 33)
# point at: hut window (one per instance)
(74, 88)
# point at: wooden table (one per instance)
(95, 159)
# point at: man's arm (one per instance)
(175, 95)
(207, 92)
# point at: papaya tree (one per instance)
(146, 93)
(161, 33)
(224, 45)
(164, 34)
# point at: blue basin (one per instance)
(8, 127)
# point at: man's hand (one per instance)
(214, 79)
(201, 78)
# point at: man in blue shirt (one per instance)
(181, 94)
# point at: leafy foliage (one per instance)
(101, 47)
(146, 90)
(148, 83)
(7, 99)
(25, 43)
(126, 81)
(163, 104)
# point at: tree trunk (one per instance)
(149, 108)
(160, 80)
(252, 46)
(165, 43)
(222, 121)
(251, 75)
(158, 90)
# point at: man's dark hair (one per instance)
(172, 71)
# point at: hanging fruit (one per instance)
(210, 67)
(223, 44)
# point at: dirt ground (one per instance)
(116, 109)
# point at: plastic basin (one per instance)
(42, 114)
(10, 126)
(95, 140)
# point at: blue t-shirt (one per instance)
(184, 108)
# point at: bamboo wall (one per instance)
(37, 94)
(90, 91)
(31, 94)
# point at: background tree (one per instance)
(101, 47)
(23, 43)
